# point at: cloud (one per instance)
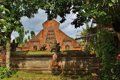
(34, 23)
(14, 35)
(69, 29)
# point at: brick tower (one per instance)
(50, 35)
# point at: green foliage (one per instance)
(102, 11)
(17, 53)
(32, 34)
(88, 36)
(116, 71)
(20, 38)
(105, 47)
(105, 11)
(9, 21)
(105, 42)
(88, 77)
(32, 76)
(29, 37)
(5, 72)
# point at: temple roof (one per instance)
(50, 23)
(50, 34)
(35, 39)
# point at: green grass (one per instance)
(31, 53)
(67, 52)
(32, 76)
(43, 52)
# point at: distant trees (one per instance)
(32, 34)
(21, 36)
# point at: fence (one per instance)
(72, 64)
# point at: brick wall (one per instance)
(71, 64)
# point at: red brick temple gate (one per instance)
(50, 35)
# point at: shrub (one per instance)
(105, 47)
(5, 72)
(116, 71)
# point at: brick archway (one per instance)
(67, 47)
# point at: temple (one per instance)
(48, 36)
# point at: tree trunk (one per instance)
(8, 53)
(118, 35)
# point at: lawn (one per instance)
(31, 53)
(70, 52)
(32, 76)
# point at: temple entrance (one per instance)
(67, 47)
(35, 48)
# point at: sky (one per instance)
(35, 24)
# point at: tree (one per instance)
(102, 12)
(105, 12)
(87, 35)
(11, 11)
(13, 45)
(105, 47)
(4, 25)
(20, 38)
(29, 37)
(32, 34)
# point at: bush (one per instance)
(116, 71)
(5, 72)
(105, 48)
